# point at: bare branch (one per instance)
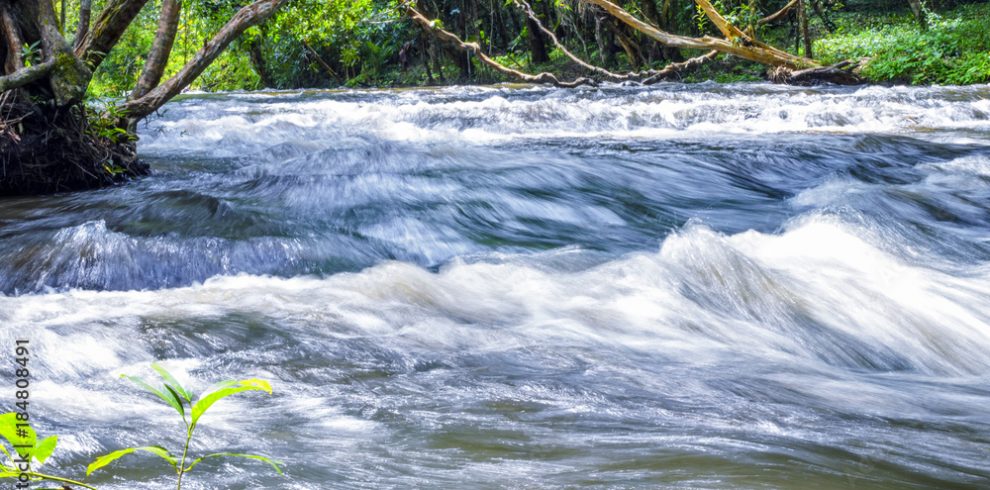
(245, 18)
(113, 21)
(674, 69)
(451, 39)
(154, 66)
(320, 60)
(778, 14)
(528, 10)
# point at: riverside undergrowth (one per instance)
(954, 50)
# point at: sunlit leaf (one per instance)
(44, 448)
(206, 401)
(23, 436)
(171, 381)
(110, 458)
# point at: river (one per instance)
(682, 286)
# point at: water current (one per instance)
(682, 286)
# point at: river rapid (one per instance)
(682, 286)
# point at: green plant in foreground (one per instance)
(27, 451)
(173, 394)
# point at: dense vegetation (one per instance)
(313, 43)
(954, 50)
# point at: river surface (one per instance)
(685, 286)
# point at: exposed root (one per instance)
(54, 150)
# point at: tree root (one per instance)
(53, 150)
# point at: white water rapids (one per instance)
(703, 286)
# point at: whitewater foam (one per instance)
(818, 292)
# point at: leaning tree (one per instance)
(49, 139)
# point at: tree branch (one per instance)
(154, 65)
(106, 32)
(451, 39)
(525, 7)
(25, 76)
(677, 68)
(778, 14)
(69, 76)
(247, 17)
(12, 38)
(82, 28)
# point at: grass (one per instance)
(955, 50)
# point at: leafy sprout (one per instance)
(191, 409)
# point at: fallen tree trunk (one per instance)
(646, 77)
(741, 45)
(842, 73)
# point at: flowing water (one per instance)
(705, 286)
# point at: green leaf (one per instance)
(44, 448)
(237, 455)
(167, 376)
(110, 458)
(9, 431)
(230, 388)
(168, 398)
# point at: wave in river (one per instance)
(818, 293)
(471, 287)
(488, 116)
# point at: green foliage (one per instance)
(954, 50)
(104, 121)
(329, 43)
(110, 458)
(31, 53)
(191, 409)
(27, 447)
